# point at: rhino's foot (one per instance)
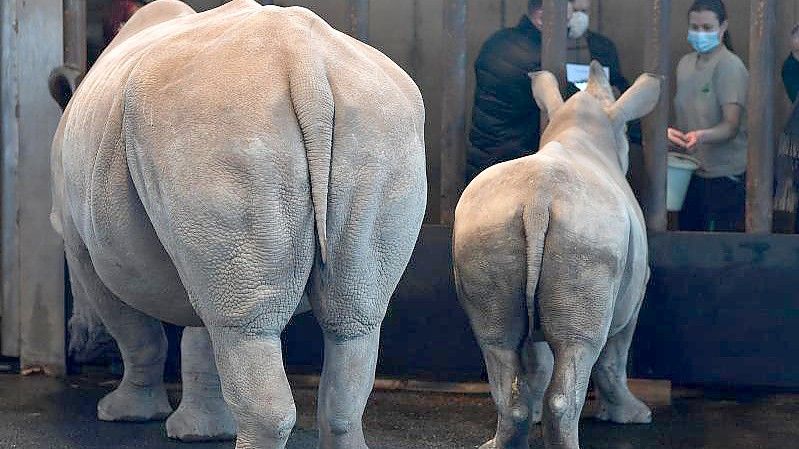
(210, 420)
(536, 412)
(493, 445)
(134, 403)
(629, 411)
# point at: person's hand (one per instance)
(692, 139)
(677, 138)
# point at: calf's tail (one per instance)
(536, 224)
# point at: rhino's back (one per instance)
(595, 216)
(222, 74)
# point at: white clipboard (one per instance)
(577, 74)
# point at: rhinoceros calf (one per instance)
(557, 238)
(212, 169)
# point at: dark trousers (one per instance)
(714, 204)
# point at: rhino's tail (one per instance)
(536, 224)
(312, 99)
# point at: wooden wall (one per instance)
(410, 32)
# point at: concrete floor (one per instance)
(39, 412)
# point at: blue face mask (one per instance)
(703, 41)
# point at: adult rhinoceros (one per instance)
(558, 238)
(214, 168)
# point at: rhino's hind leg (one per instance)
(499, 321)
(616, 402)
(255, 386)
(538, 366)
(565, 396)
(347, 380)
(202, 414)
(510, 392)
(141, 395)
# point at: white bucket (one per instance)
(681, 168)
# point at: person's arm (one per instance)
(725, 131)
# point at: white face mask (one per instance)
(578, 24)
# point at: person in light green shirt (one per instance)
(710, 112)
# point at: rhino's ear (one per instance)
(639, 100)
(546, 91)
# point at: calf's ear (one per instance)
(639, 100)
(546, 91)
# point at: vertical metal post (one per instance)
(553, 51)
(75, 34)
(453, 108)
(760, 170)
(9, 145)
(657, 54)
(40, 47)
(359, 19)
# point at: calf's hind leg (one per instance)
(141, 396)
(499, 320)
(575, 318)
(616, 402)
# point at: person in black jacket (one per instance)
(505, 117)
(790, 69)
(585, 45)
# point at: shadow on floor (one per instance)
(39, 412)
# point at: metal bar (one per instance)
(75, 34)
(359, 19)
(657, 54)
(553, 51)
(9, 132)
(41, 250)
(760, 170)
(453, 108)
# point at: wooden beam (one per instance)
(359, 19)
(75, 34)
(453, 108)
(9, 131)
(553, 50)
(760, 167)
(657, 60)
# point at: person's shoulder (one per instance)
(504, 38)
(599, 39)
(730, 61)
(685, 60)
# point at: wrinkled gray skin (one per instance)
(558, 235)
(201, 178)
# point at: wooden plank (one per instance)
(553, 50)
(453, 107)
(41, 252)
(657, 58)
(358, 12)
(9, 130)
(760, 168)
(75, 34)
(428, 69)
(652, 392)
(554, 44)
(396, 42)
